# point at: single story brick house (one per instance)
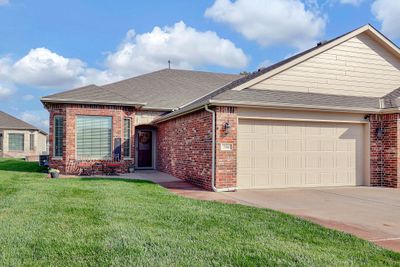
(326, 117)
(19, 139)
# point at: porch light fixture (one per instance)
(227, 127)
(380, 132)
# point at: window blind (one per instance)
(127, 138)
(93, 137)
(32, 142)
(58, 136)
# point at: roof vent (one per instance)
(322, 43)
(261, 69)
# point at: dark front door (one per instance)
(145, 149)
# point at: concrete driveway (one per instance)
(368, 212)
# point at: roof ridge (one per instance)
(166, 69)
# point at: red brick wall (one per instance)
(184, 147)
(384, 154)
(226, 159)
(68, 164)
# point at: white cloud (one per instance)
(44, 68)
(184, 46)
(138, 53)
(4, 2)
(352, 2)
(5, 92)
(387, 12)
(38, 118)
(271, 22)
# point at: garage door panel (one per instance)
(275, 154)
(260, 180)
(294, 178)
(327, 178)
(244, 181)
(294, 145)
(327, 160)
(277, 179)
(328, 145)
(295, 161)
(311, 178)
(312, 145)
(277, 145)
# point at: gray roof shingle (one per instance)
(298, 99)
(165, 89)
(10, 122)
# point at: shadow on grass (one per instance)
(137, 181)
(20, 165)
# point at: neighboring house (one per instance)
(326, 117)
(19, 139)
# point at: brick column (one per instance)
(384, 150)
(226, 147)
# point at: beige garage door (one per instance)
(278, 154)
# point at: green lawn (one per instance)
(102, 222)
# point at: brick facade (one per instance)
(184, 144)
(184, 147)
(68, 163)
(385, 150)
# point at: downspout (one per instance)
(213, 155)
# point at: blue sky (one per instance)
(49, 46)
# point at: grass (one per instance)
(103, 222)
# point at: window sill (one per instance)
(57, 158)
(128, 158)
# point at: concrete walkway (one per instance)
(177, 185)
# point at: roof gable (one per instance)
(359, 66)
(10, 122)
(368, 31)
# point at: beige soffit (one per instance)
(370, 30)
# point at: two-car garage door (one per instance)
(278, 154)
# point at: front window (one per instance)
(93, 137)
(58, 136)
(127, 138)
(15, 142)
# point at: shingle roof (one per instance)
(10, 122)
(297, 99)
(165, 89)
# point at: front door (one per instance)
(145, 149)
